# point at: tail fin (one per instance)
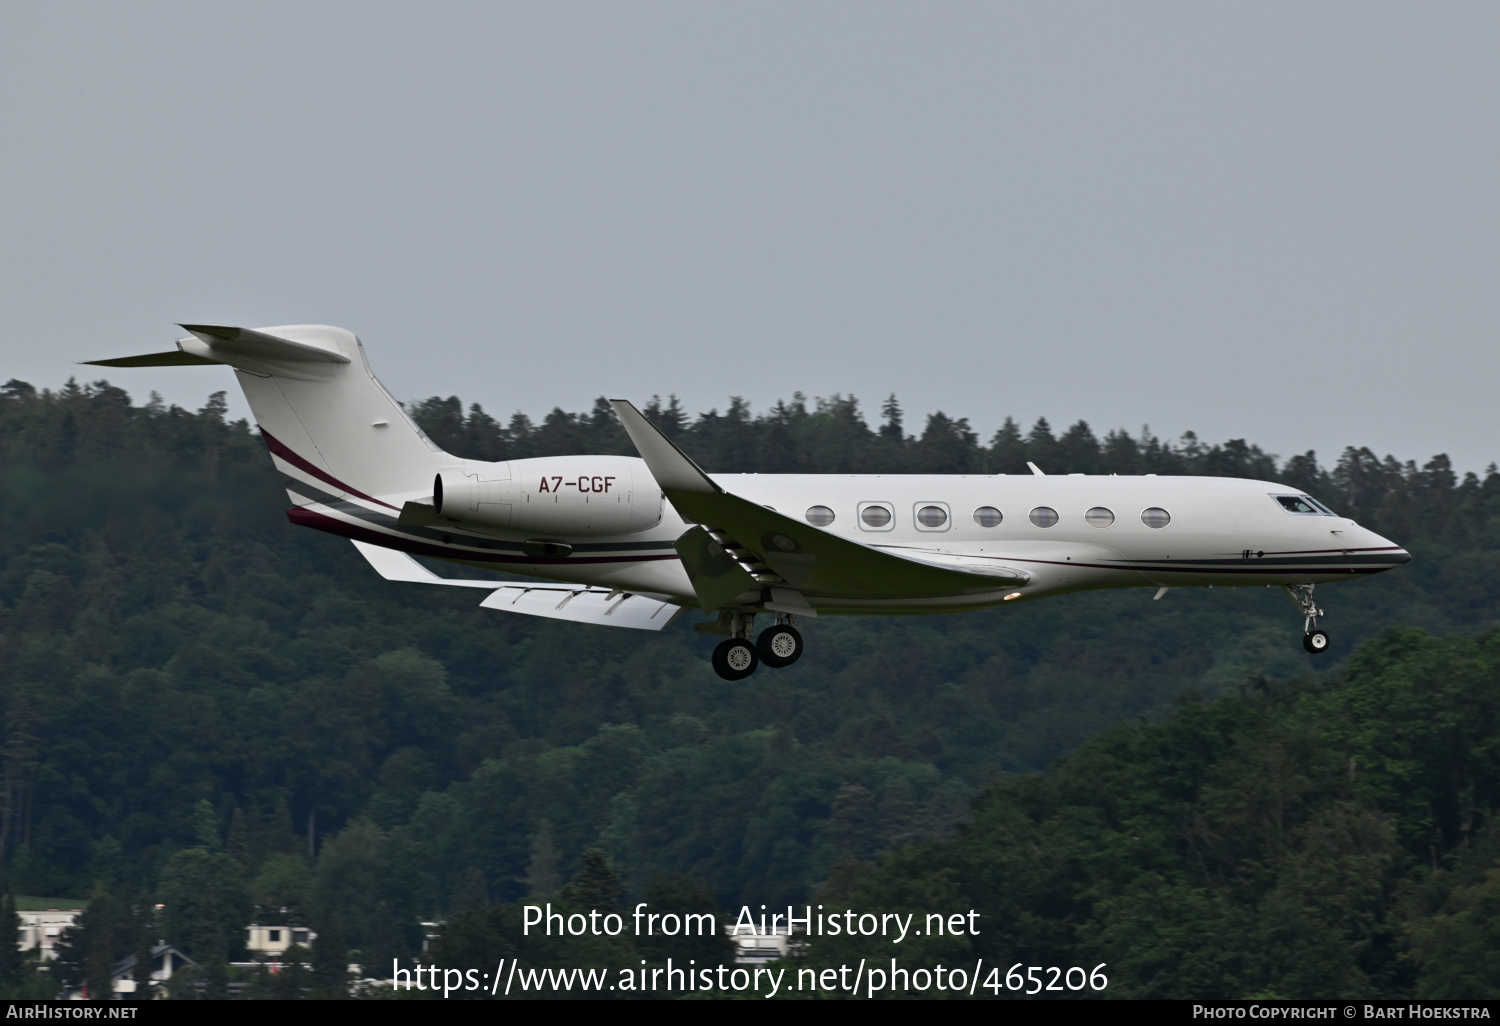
(323, 414)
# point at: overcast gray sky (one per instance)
(1269, 221)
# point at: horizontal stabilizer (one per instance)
(576, 602)
(243, 349)
(398, 566)
(229, 341)
(175, 358)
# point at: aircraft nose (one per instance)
(1389, 552)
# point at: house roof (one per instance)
(126, 965)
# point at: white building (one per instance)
(41, 929)
(757, 950)
(274, 940)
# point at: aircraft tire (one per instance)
(779, 646)
(1315, 642)
(735, 659)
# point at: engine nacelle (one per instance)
(553, 495)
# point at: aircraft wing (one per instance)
(577, 602)
(793, 557)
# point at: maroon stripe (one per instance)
(1313, 552)
(278, 448)
(1155, 568)
(304, 517)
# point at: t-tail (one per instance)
(331, 426)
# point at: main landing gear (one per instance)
(1313, 639)
(777, 646)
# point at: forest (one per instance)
(207, 710)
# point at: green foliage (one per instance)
(330, 960)
(682, 896)
(198, 700)
(12, 961)
(596, 886)
(206, 904)
(294, 978)
(485, 936)
(283, 890)
(1329, 839)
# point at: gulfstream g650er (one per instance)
(634, 542)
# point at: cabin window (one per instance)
(875, 516)
(1155, 517)
(988, 516)
(819, 516)
(1044, 516)
(932, 517)
(1099, 517)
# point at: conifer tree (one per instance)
(141, 974)
(238, 845)
(470, 894)
(596, 885)
(98, 945)
(12, 961)
(542, 878)
(330, 961)
(892, 430)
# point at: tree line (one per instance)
(203, 708)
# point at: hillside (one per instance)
(182, 671)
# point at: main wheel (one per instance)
(779, 646)
(1316, 642)
(735, 659)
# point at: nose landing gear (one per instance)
(1313, 639)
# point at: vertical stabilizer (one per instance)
(347, 424)
(326, 419)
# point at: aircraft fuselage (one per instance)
(1213, 531)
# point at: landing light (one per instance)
(1012, 595)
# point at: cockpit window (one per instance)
(1304, 504)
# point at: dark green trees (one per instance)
(1330, 839)
(202, 703)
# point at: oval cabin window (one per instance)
(1044, 516)
(1155, 517)
(1099, 517)
(819, 516)
(988, 516)
(875, 516)
(932, 516)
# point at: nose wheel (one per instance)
(1314, 639)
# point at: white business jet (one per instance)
(634, 542)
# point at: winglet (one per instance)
(673, 470)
